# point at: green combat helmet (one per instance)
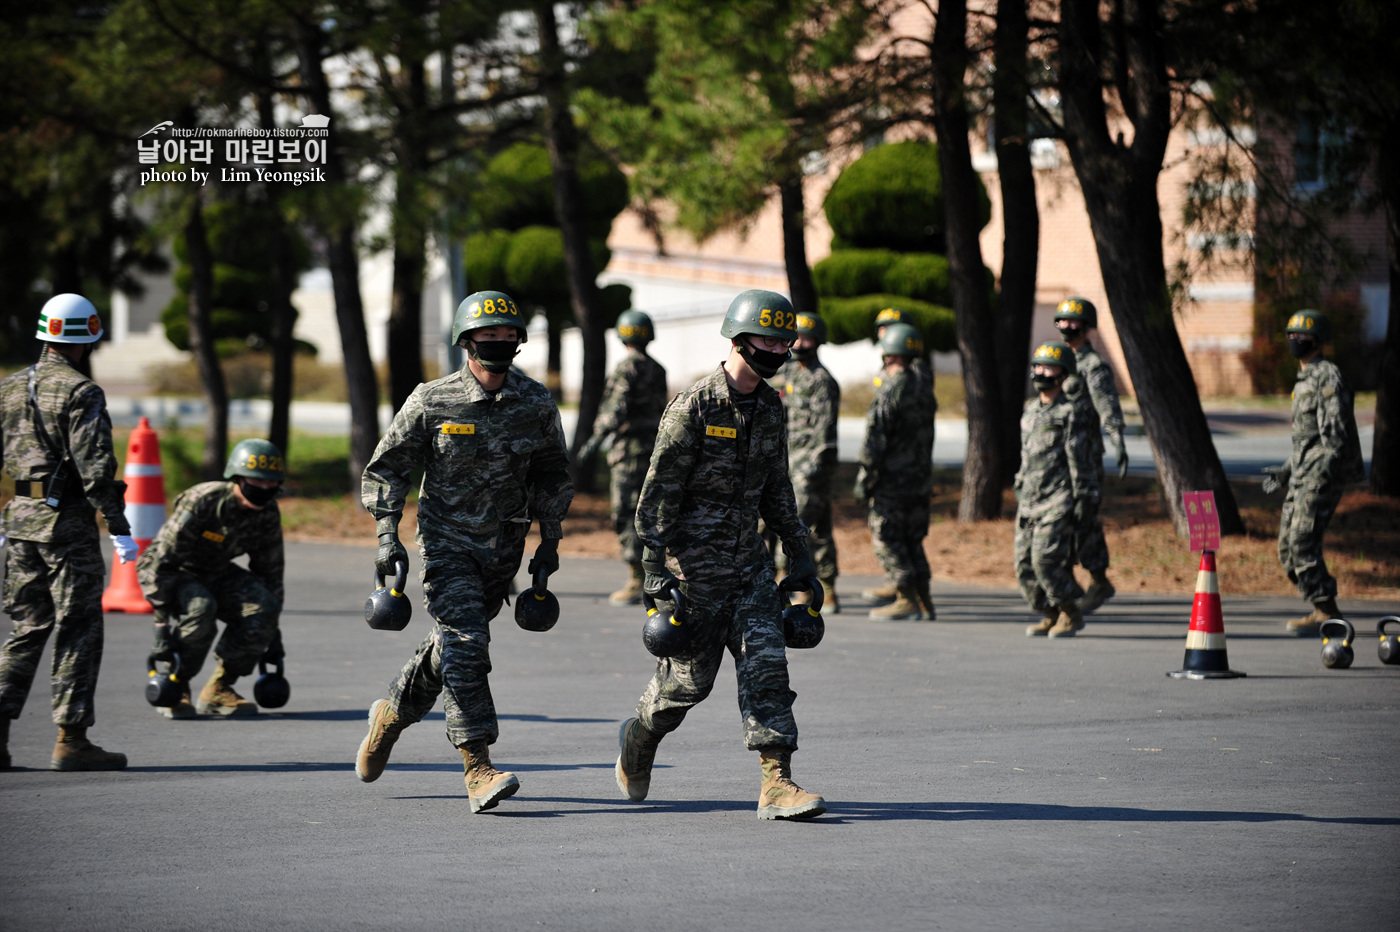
(1055, 353)
(1080, 309)
(761, 313)
(892, 315)
(635, 327)
(1311, 323)
(901, 340)
(812, 325)
(256, 459)
(486, 309)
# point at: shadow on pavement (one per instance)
(1041, 812)
(269, 767)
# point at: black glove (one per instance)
(658, 581)
(167, 643)
(546, 557)
(275, 652)
(799, 558)
(391, 551)
(1277, 478)
(1122, 460)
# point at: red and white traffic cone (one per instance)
(1205, 640)
(145, 512)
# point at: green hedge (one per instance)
(850, 272)
(921, 275)
(851, 319)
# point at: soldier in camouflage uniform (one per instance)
(895, 478)
(491, 449)
(1055, 486)
(57, 445)
(632, 404)
(812, 398)
(1074, 318)
(189, 577)
(1326, 458)
(721, 462)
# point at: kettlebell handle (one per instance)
(1387, 620)
(1348, 630)
(540, 582)
(811, 584)
(677, 599)
(400, 577)
(174, 666)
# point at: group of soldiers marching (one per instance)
(716, 494)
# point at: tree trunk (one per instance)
(799, 274)
(1120, 191)
(1021, 229)
(410, 239)
(561, 138)
(280, 305)
(982, 470)
(554, 366)
(211, 377)
(1385, 446)
(338, 235)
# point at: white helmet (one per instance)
(69, 318)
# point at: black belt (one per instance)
(33, 488)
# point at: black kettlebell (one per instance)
(665, 637)
(536, 609)
(163, 690)
(803, 625)
(272, 690)
(387, 608)
(1389, 647)
(1336, 646)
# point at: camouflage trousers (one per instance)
(54, 587)
(192, 607)
(462, 593)
(1307, 510)
(1044, 548)
(747, 620)
(628, 462)
(898, 527)
(813, 493)
(1090, 545)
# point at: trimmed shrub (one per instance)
(484, 259)
(850, 272)
(852, 319)
(921, 275)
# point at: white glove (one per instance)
(126, 547)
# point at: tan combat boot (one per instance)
(73, 751)
(905, 607)
(486, 786)
(1100, 591)
(831, 605)
(637, 752)
(631, 592)
(880, 595)
(780, 798)
(1309, 625)
(1042, 627)
(921, 589)
(1069, 622)
(218, 698)
(385, 726)
(183, 709)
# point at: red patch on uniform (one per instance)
(55, 326)
(94, 325)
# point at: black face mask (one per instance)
(1043, 383)
(763, 362)
(493, 355)
(256, 495)
(805, 354)
(1071, 333)
(1299, 347)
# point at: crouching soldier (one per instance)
(189, 577)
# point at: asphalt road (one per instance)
(976, 778)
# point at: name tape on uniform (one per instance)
(721, 432)
(459, 428)
(214, 536)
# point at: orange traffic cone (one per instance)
(1205, 640)
(145, 512)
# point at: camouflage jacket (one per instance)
(632, 404)
(74, 411)
(486, 462)
(713, 475)
(207, 528)
(896, 459)
(1077, 390)
(1326, 446)
(812, 398)
(1097, 375)
(1057, 465)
